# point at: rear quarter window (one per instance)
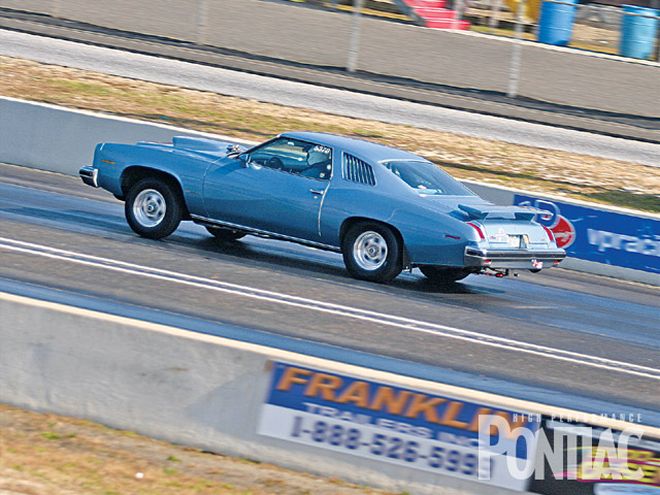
(427, 178)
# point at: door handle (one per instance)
(317, 192)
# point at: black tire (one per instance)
(153, 228)
(225, 235)
(444, 275)
(393, 261)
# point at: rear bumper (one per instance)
(89, 176)
(518, 258)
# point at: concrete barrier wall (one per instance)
(61, 140)
(320, 38)
(47, 7)
(173, 19)
(199, 390)
(196, 390)
(265, 28)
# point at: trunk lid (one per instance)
(508, 227)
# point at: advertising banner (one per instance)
(387, 423)
(583, 460)
(600, 235)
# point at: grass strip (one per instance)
(56, 455)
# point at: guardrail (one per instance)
(61, 140)
(307, 413)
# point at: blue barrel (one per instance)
(638, 33)
(556, 22)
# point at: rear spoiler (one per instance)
(500, 212)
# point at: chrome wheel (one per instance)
(370, 250)
(149, 208)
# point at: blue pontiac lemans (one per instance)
(382, 208)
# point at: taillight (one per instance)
(551, 234)
(478, 229)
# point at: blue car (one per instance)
(384, 209)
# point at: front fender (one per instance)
(113, 160)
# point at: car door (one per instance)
(277, 187)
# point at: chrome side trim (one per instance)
(264, 233)
(89, 176)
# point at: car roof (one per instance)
(372, 151)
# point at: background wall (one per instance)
(320, 38)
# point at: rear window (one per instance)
(427, 178)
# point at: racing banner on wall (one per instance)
(600, 235)
(583, 460)
(400, 426)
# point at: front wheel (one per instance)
(372, 252)
(443, 275)
(153, 208)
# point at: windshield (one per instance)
(427, 178)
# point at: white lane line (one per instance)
(325, 307)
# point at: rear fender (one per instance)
(432, 239)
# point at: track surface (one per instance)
(196, 76)
(599, 336)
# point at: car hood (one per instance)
(207, 146)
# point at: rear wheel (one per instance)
(443, 275)
(372, 252)
(225, 235)
(153, 208)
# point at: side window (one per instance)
(319, 163)
(295, 157)
(281, 154)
